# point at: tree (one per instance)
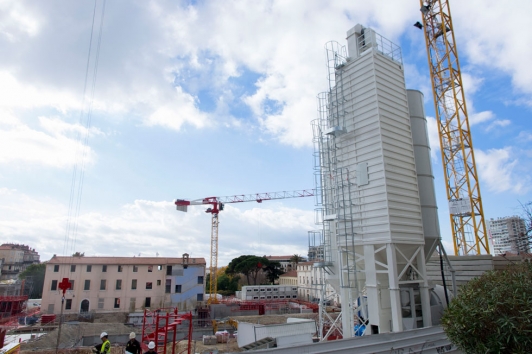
(248, 265)
(295, 259)
(527, 236)
(273, 271)
(492, 313)
(78, 254)
(227, 284)
(34, 275)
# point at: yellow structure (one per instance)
(458, 159)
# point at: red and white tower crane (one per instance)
(217, 205)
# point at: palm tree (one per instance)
(295, 259)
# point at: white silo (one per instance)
(366, 171)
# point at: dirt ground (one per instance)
(71, 333)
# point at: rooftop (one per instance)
(124, 260)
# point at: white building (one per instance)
(509, 234)
(309, 282)
(267, 292)
(123, 284)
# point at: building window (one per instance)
(104, 268)
(103, 283)
(168, 286)
(117, 302)
(120, 268)
(101, 303)
(87, 285)
(71, 284)
(200, 279)
(150, 269)
(168, 270)
(159, 282)
(133, 284)
(72, 267)
(56, 268)
(89, 268)
(118, 284)
(178, 288)
(54, 285)
(199, 297)
(148, 285)
(68, 304)
(159, 267)
(135, 269)
(147, 303)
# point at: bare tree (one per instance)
(525, 238)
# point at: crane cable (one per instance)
(81, 154)
(85, 118)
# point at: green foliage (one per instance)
(273, 271)
(493, 313)
(34, 276)
(252, 266)
(296, 258)
(228, 284)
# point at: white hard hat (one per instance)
(104, 334)
(132, 335)
(151, 345)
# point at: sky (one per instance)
(110, 113)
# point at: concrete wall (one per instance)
(466, 267)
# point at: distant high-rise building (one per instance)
(509, 235)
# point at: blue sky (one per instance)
(212, 98)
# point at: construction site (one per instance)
(377, 239)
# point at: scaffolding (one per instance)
(336, 197)
(161, 327)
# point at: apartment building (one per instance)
(309, 283)
(15, 259)
(288, 278)
(123, 284)
(509, 235)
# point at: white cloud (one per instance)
(524, 136)
(182, 110)
(487, 41)
(434, 138)
(480, 117)
(498, 124)
(16, 94)
(52, 146)
(497, 168)
(150, 227)
(17, 21)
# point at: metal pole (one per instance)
(59, 329)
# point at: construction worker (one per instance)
(106, 345)
(151, 348)
(133, 345)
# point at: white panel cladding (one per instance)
(378, 132)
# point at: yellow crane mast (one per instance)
(458, 159)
